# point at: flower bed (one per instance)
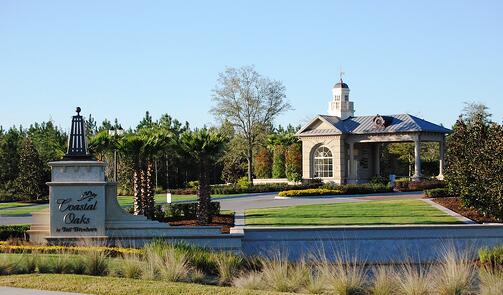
(310, 192)
(6, 247)
(330, 189)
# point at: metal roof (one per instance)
(365, 125)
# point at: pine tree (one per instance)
(30, 180)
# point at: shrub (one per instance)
(378, 180)
(437, 193)
(193, 184)
(13, 231)
(310, 192)
(331, 189)
(243, 183)
(405, 185)
(492, 256)
(184, 210)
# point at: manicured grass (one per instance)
(161, 198)
(363, 213)
(14, 204)
(112, 285)
(22, 210)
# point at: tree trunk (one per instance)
(249, 158)
(149, 191)
(137, 200)
(203, 207)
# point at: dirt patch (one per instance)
(455, 204)
(224, 220)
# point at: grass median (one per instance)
(357, 213)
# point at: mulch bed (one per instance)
(455, 204)
(224, 220)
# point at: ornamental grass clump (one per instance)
(491, 282)
(414, 280)
(279, 275)
(130, 266)
(384, 281)
(174, 265)
(6, 265)
(345, 278)
(27, 264)
(96, 263)
(228, 266)
(315, 283)
(251, 280)
(455, 274)
(60, 263)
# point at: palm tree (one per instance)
(130, 146)
(155, 142)
(204, 147)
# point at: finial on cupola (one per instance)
(77, 143)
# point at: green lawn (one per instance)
(112, 285)
(358, 213)
(22, 210)
(13, 204)
(16, 208)
(161, 198)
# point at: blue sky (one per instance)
(121, 58)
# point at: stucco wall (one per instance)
(336, 145)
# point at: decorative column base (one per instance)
(417, 178)
(440, 177)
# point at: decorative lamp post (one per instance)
(115, 133)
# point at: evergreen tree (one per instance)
(30, 180)
(293, 159)
(278, 162)
(263, 163)
(9, 158)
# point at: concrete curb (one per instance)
(450, 212)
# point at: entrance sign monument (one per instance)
(83, 207)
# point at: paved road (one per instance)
(20, 291)
(268, 200)
(265, 200)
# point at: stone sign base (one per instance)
(84, 210)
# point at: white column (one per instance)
(417, 162)
(377, 159)
(351, 168)
(441, 162)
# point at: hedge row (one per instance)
(438, 193)
(13, 231)
(405, 185)
(309, 192)
(258, 188)
(330, 189)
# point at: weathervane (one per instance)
(341, 74)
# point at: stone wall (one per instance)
(373, 244)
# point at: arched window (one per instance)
(323, 162)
